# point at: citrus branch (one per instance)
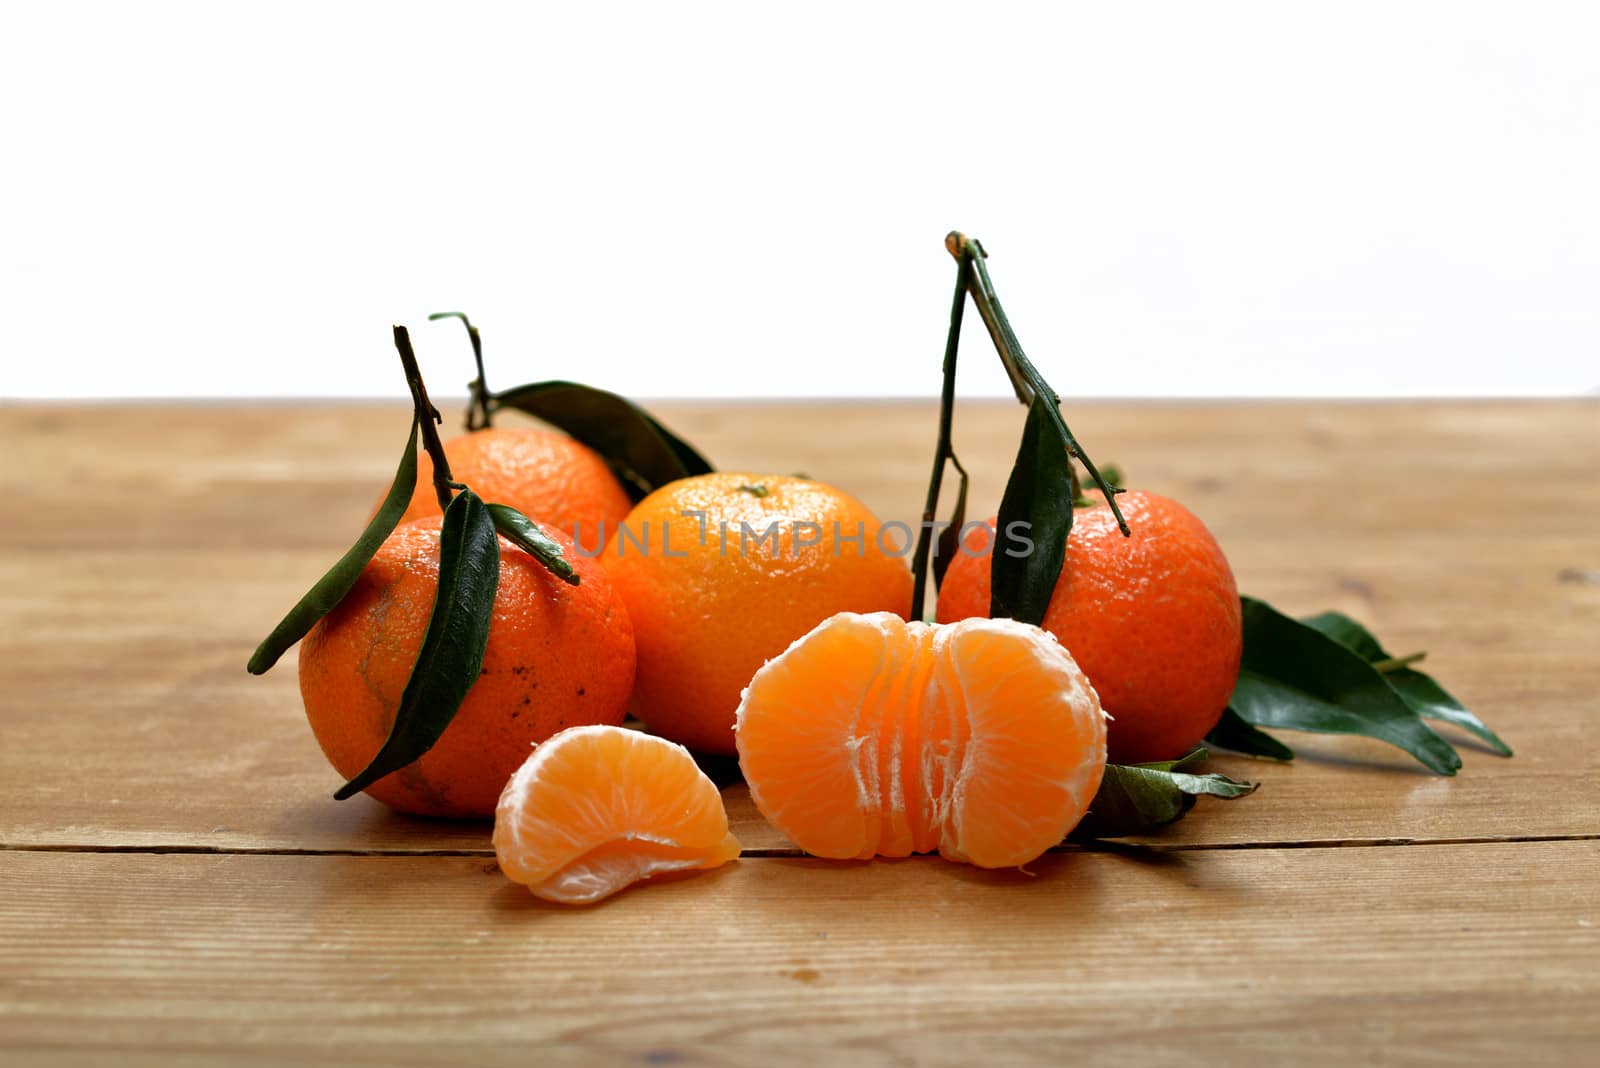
(428, 418)
(944, 450)
(1025, 378)
(478, 412)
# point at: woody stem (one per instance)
(1025, 378)
(427, 418)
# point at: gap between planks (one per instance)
(768, 852)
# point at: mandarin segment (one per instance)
(800, 771)
(1024, 699)
(596, 809)
(871, 736)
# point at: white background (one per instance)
(678, 199)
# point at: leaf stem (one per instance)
(1025, 378)
(479, 414)
(943, 451)
(428, 418)
(1395, 663)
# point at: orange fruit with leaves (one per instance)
(543, 474)
(596, 809)
(1153, 619)
(558, 656)
(722, 571)
(871, 736)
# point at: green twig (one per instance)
(1395, 663)
(1025, 378)
(479, 414)
(944, 451)
(428, 419)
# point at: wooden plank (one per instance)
(206, 757)
(149, 547)
(1321, 956)
(279, 476)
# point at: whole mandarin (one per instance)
(558, 656)
(1153, 619)
(721, 572)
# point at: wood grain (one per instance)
(177, 886)
(148, 548)
(1319, 956)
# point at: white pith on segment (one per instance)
(961, 757)
(606, 826)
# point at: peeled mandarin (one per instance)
(870, 736)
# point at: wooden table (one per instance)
(176, 883)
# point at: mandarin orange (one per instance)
(543, 474)
(558, 656)
(871, 736)
(596, 809)
(1153, 619)
(721, 571)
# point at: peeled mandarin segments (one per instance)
(871, 736)
(596, 809)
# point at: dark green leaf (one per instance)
(950, 537)
(1348, 633)
(1039, 495)
(1294, 676)
(689, 458)
(1134, 798)
(526, 535)
(331, 587)
(1425, 696)
(643, 453)
(452, 648)
(1431, 700)
(1232, 732)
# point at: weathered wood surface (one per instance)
(1322, 956)
(146, 548)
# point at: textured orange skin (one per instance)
(558, 656)
(545, 475)
(1152, 619)
(705, 622)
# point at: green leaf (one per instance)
(526, 535)
(1432, 701)
(643, 453)
(1348, 633)
(949, 542)
(452, 648)
(331, 587)
(1038, 494)
(1425, 696)
(1134, 798)
(1294, 676)
(1232, 732)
